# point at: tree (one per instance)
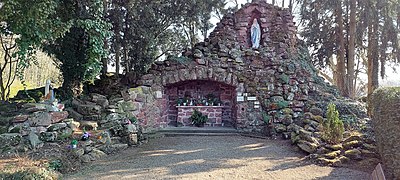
(24, 27)
(376, 34)
(143, 34)
(333, 127)
(8, 65)
(80, 50)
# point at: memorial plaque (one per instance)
(158, 94)
(239, 98)
(251, 98)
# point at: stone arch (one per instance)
(199, 73)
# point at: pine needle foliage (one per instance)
(333, 126)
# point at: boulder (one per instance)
(57, 126)
(99, 100)
(131, 139)
(279, 128)
(287, 119)
(307, 136)
(294, 137)
(115, 117)
(89, 109)
(74, 125)
(97, 154)
(316, 111)
(58, 116)
(89, 125)
(20, 118)
(370, 154)
(334, 147)
(337, 162)
(307, 146)
(10, 139)
(48, 136)
(332, 155)
(353, 154)
(34, 140)
(352, 144)
(130, 129)
(75, 115)
(40, 119)
(113, 148)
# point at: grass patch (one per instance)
(25, 168)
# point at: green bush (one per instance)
(198, 119)
(333, 126)
(266, 118)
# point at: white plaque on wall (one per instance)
(257, 103)
(158, 94)
(256, 106)
(251, 98)
(239, 98)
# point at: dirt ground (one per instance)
(211, 157)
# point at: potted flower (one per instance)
(179, 102)
(210, 98)
(185, 101)
(198, 119)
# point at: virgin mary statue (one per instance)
(255, 34)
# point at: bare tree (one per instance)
(8, 65)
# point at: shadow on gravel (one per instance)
(184, 156)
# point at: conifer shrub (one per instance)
(333, 126)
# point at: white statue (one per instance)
(49, 92)
(47, 88)
(255, 34)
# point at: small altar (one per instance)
(214, 114)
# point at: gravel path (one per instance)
(211, 157)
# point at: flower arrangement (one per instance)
(208, 100)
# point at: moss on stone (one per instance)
(138, 90)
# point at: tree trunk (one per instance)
(104, 60)
(72, 88)
(117, 56)
(373, 61)
(341, 68)
(351, 55)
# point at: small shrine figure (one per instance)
(49, 92)
(255, 34)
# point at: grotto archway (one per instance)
(212, 98)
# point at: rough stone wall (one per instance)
(269, 79)
(386, 121)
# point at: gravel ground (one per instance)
(212, 157)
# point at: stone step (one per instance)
(198, 131)
(199, 134)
